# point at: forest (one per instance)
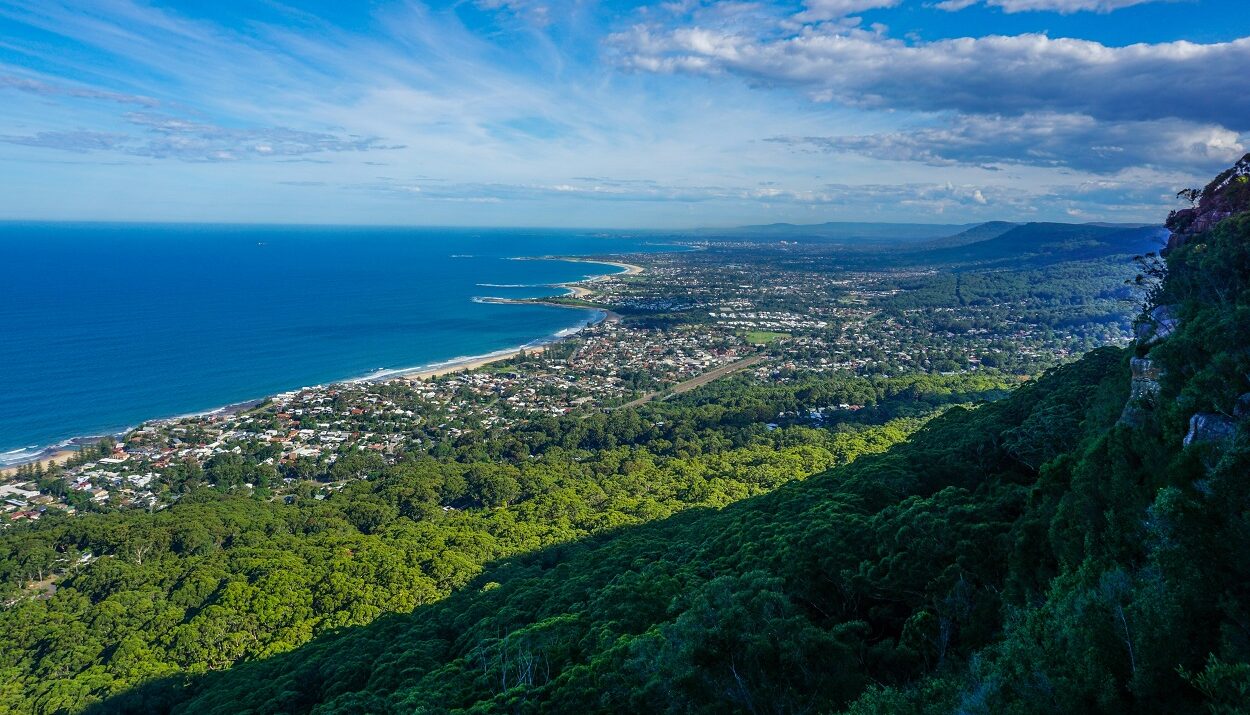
(227, 575)
(1075, 544)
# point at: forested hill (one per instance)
(976, 234)
(1079, 546)
(839, 231)
(1041, 243)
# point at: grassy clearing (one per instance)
(763, 337)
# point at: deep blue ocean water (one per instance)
(103, 326)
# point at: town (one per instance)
(687, 314)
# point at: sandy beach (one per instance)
(45, 461)
(581, 292)
(629, 269)
(467, 365)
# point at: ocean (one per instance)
(104, 326)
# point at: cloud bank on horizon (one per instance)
(585, 113)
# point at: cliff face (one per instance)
(1226, 195)
(1192, 229)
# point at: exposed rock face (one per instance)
(1144, 391)
(1155, 326)
(1209, 427)
(1145, 379)
(1228, 194)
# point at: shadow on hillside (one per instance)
(484, 593)
(551, 595)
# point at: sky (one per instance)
(581, 113)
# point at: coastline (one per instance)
(43, 459)
(467, 364)
(582, 292)
(471, 363)
(575, 290)
(627, 269)
(63, 450)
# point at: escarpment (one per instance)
(1207, 259)
(1228, 194)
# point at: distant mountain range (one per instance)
(838, 230)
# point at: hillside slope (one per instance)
(1047, 242)
(798, 599)
(976, 234)
(1079, 546)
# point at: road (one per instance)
(698, 381)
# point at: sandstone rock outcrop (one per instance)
(1228, 194)
(1144, 391)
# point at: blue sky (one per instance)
(582, 113)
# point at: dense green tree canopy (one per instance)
(735, 549)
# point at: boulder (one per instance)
(1205, 427)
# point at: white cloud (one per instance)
(815, 10)
(1129, 196)
(538, 13)
(985, 75)
(502, 116)
(1063, 7)
(1058, 140)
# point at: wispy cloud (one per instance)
(692, 111)
(30, 86)
(81, 141)
(175, 138)
(179, 138)
(819, 10)
(869, 200)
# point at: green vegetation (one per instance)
(1042, 243)
(763, 337)
(1033, 555)
(883, 571)
(822, 543)
(222, 577)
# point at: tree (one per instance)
(492, 486)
